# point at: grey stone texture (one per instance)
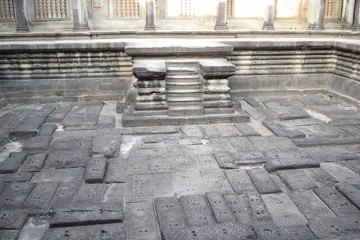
(263, 181)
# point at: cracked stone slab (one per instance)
(140, 188)
(59, 175)
(228, 131)
(291, 163)
(47, 129)
(170, 213)
(224, 231)
(13, 162)
(262, 143)
(311, 206)
(340, 227)
(192, 131)
(86, 214)
(351, 192)
(297, 232)
(197, 210)
(83, 115)
(240, 181)
(89, 193)
(215, 180)
(59, 114)
(263, 181)
(65, 194)
(141, 222)
(283, 210)
(225, 160)
(297, 179)
(163, 185)
(102, 231)
(220, 209)
(67, 159)
(15, 194)
(40, 198)
(336, 201)
(95, 169)
(107, 145)
(34, 163)
(247, 130)
(116, 170)
(239, 207)
(37, 144)
(12, 219)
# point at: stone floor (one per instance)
(70, 171)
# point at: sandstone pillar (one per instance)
(150, 16)
(221, 23)
(21, 23)
(356, 20)
(80, 15)
(269, 16)
(316, 14)
(348, 14)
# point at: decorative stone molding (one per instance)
(7, 11)
(51, 9)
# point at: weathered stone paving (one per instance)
(67, 170)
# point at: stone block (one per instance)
(217, 68)
(210, 131)
(149, 70)
(239, 207)
(16, 177)
(106, 122)
(89, 194)
(67, 158)
(192, 131)
(240, 181)
(59, 114)
(215, 180)
(291, 163)
(228, 131)
(95, 169)
(197, 210)
(116, 171)
(34, 163)
(263, 181)
(297, 179)
(351, 192)
(27, 127)
(13, 162)
(4, 136)
(107, 145)
(247, 130)
(225, 160)
(322, 141)
(12, 219)
(188, 182)
(341, 173)
(321, 177)
(37, 144)
(283, 143)
(220, 208)
(262, 143)
(114, 193)
(71, 143)
(170, 213)
(259, 213)
(59, 175)
(353, 165)
(15, 194)
(140, 188)
(9, 234)
(47, 129)
(297, 232)
(65, 194)
(282, 132)
(163, 185)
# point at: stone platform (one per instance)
(72, 171)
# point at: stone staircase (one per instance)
(184, 92)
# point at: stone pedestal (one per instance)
(80, 16)
(348, 13)
(269, 17)
(21, 23)
(221, 16)
(356, 20)
(150, 16)
(316, 15)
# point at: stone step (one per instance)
(184, 84)
(189, 110)
(182, 78)
(171, 91)
(183, 98)
(180, 68)
(171, 64)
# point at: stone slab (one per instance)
(59, 175)
(321, 177)
(100, 231)
(311, 206)
(163, 185)
(353, 165)
(40, 198)
(239, 207)
(297, 179)
(247, 130)
(170, 213)
(220, 208)
(15, 194)
(27, 127)
(207, 162)
(215, 180)
(225, 160)
(291, 163)
(13, 162)
(262, 143)
(197, 210)
(240, 181)
(322, 141)
(95, 169)
(65, 194)
(59, 114)
(263, 181)
(47, 129)
(210, 131)
(224, 231)
(12, 219)
(83, 115)
(37, 144)
(281, 131)
(9, 234)
(228, 131)
(141, 221)
(192, 131)
(71, 143)
(188, 182)
(293, 114)
(106, 122)
(86, 214)
(4, 136)
(67, 158)
(297, 232)
(283, 210)
(259, 212)
(341, 173)
(148, 69)
(351, 192)
(107, 145)
(89, 193)
(116, 170)
(34, 163)
(16, 177)
(114, 193)
(336, 201)
(283, 143)
(140, 188)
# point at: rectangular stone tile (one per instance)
(106, 122)
(321, 130)
(283, 210)
(336, 202)
(291, 163)
(40, 198)
(59, 114)
(170, 213)
(72, 143)
(263, 181)
(86, 214)
(140, 188)
(107, 144)
(215, 180)
(163, 185)
(321, 141)
(116, 170)
(262, 143)
(299, 232)
(95, 169)
(67, 159)
(283, 143)
(207, 162)
(28, 127)
(351, 192)
(225, 160)
(188, 182)
(222, 144)
(47, 129)
(34, 163)
(65, 194)
(59, 175)
(210, 131)
(311, 206)
(239, 207)
(197, 210)
(192, 131)
(16, 177)
(15, 194)
(297, 179)
(155, 130)
(259, 213)
(228, 131)
(141, 222)
(102, 231)
(239, 180)
(160, 165)
(353, 165)
(39, 143)
(9, 234)
(114, 193)
(12, 219)
(241, 143)
(223, 231)
(13, 162)
(293, 114)
(220, 208)
(336, 228)
(249, 157)
(2, 186)
(281, 131)
(82, 115)
(246, 130)
(4, 136)
(89, 193)
(341, 173)
(321, 177)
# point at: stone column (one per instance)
(356, 21)
(21, 23)
(221, 23)
(320, 22)
(150, 16)
(348, 14)
(316, 14)
(80, 15)
(269, 16)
